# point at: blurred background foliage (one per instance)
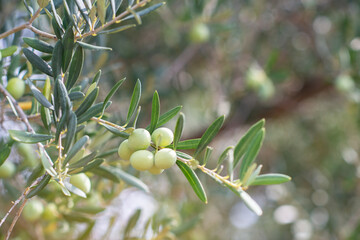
(296, 63)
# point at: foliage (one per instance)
(65, 100)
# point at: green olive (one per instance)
(139, 139)
(81, 181)
(7, 169)
(50, 212)
(142, 160)
(165, 158)
(162, 137)
(156, 171)
(33, 210)
(124, 151)
(28, 154)
(199, 33)
(16, 87)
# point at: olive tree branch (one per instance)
(29, 26)
(117, 19)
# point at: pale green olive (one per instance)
(81, 181)
(16, 87)
(142, 160)
(33, 210)
(199, 33)
(7, 169)
(156, 171)
(124, 151)
(162, 137)
(50, 212)
(165, 158)
(139, 139)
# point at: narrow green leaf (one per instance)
(83, 11)
(145, 11)
(223, 155)
(42, 184)
(131, 223)
(250, 203)
(71, 131)
(42, 3)
(47, 163)
(39, 96)
(108, 153)
(76, 66)
(64, 99)
(207, 155)
(183, 155)
(88, 102)
(69, 44)
(6, 52)
(93, 47)
(271, 178)
(118, 29)
(28, 8)
(97, 77)
(251, 153)
(76, 217)
(253, 176)
(93, 164)
(116, 131)
(101, 10)
(39, 45)
(113, 8)
(92, 209)
(83, 161)
(178, 129)
(209, 134)
(26, 137)
(111, 93)
(166, 117)
(45, 117)
(37, 62)
(130, 179)
(76, 96)
(187, 144)
(244, 142)
(57, 58)
(56, 16)
(75, 190)
(4, 153)
(135, 99)
(193, 180)
(75, 149)
(105, 172)
(94, 111)
(155, 111)
(109, 11)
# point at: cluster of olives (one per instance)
(135, 150)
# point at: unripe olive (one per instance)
(28, 154)
(50, 212)
(7, 169)
(139, 139)
(33, 210)
(162, 137)
(124, 151)
(16, 87)
(199, 33)
(142, 160)
(81, 181)
(156, 171)
(165, 158)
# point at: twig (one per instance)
(29, 26)
(114, 20)
(104, 122)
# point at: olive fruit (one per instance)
(81, 181)
(199, 33)
(142, 160)
(16, 87)
(139, 139)
(33, 210)
(162, 137)
(154, 170)
(124, 151)
(165, 158)
(7, 169)
(50, 212)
